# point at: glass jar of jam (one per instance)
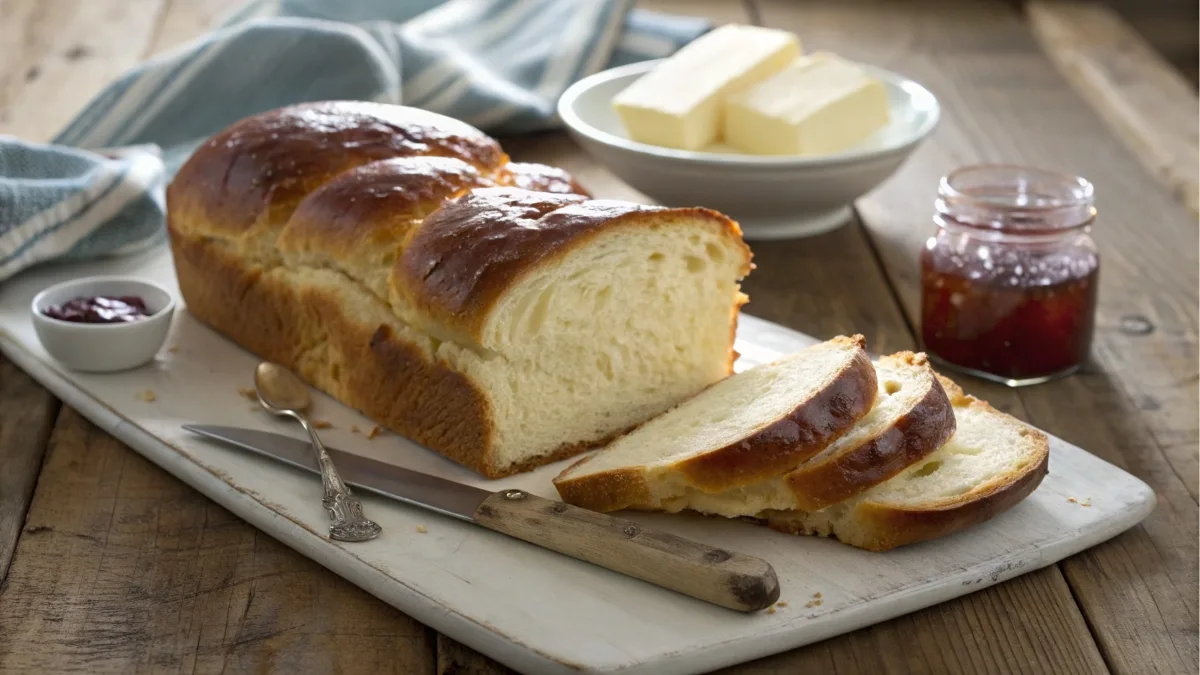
(1009, 281)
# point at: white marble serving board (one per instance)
(531, 609)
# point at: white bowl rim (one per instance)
(83, 282)
(567, 114)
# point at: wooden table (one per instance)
(111, 565)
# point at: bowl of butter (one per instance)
(742, 121)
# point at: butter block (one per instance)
(818, 105)
(678, 104)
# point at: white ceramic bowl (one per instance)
(773, 197)
(103, 347)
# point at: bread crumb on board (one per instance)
(1086, 502)
(375, 431)
(422, 529)
(813, 603)
(249, 393)
(771, 609)
(354, 428)
(782, 603)
(148, 396)
(817, 596)
(321, 424)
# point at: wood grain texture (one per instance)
(1006, 629)
(57, 54)
(123, 569)
(27, 413)
(1134, 404)
(455, 658)
(1145, 100)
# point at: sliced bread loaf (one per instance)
(992, 463)
(743, 430)
(912, 418)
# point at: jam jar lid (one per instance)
(1015, 199)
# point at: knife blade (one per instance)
(708, 573)
(411, 487)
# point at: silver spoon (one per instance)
(284, 394)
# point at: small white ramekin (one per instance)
(103, 347)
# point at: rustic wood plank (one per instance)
(455, 658)
(122, 568)
(1145, 100)
(27, 413)
(1005, 629)
(1135, 403)
(57, 54)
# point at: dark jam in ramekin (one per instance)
(99, 309)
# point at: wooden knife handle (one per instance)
(725, 578)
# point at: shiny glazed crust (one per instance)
(345, 240)
(812, 425)
(924, 429)
(881, 527)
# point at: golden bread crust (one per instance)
(916, 434)
(541, 178)
(881, 527)
(258, 169)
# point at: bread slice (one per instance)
(912, 418)
(743, 430)
(992, 463)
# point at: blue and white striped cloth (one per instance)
(500, 65)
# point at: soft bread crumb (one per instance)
(1087, 503)
(782, 603)
(422, 529)
(1072, 500)
(321, 424)
(148, 396)
(817, 596)
(813, 603)
(375, 431)
(354, 428)
(249, 393)
(771, 609)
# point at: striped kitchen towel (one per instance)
(500, 65)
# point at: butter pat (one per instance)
(678, 104)
(819, 105)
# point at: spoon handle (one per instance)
(345, 511)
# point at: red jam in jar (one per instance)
(1009, 281)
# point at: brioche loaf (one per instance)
(992, 463)
(489, 310)
(750, 427)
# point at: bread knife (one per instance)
(715, 575)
